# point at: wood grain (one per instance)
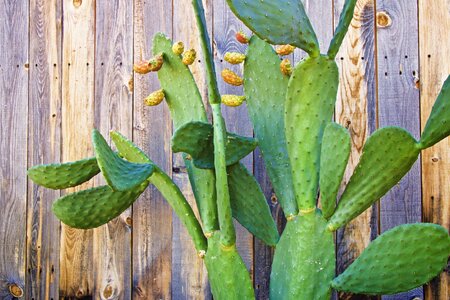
(398, 105)
(434, 27)
(113, 111)
(356, 110)
(44, 136)
(13, 144)
(189, 276)
(225, 27)
(76, 258)
(152, 216)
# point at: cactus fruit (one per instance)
(234, 58)
(178, 48)
(142, 67)
(152, 65)
(232, 100)
(189, 57)
(285, 67)
(284, 49)
(241, 37)
(231, 78)
(154, 98)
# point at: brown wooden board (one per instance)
(44, 146)
(434, 46)
(113, 111)
(356, 110)
(152, 216)
(398, 105)
(13, 144)
(77, 114)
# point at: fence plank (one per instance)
(225, 27)
(398, 105)
(44, 115)
(13, 145)
(356, 110)
(113, 110)
(434, 28)
(152, 217)
(189, 276)
(76, 273)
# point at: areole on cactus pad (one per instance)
(304, 151)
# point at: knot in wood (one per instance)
(15, 290)
(383, 19)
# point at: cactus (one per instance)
(305, 154)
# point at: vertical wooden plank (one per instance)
(434, 28)
(356, 110)
(189, 276)
(152, 216)
(43, 229)
(113, 110)
(225, 27)
(13, 144)
(398, 105)
(76, 258)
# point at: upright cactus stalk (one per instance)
(305, 154)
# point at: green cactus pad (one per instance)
(400, 259)
(336, 146)
(196, 139)
(342, 28)
(66, 175)
(120, 174)
(279, 22)
(249, 205)
(304, 260)
(94, 207)
(227, 273)
(185, 104)
(310, 100)
(128, 150)
(438, 124)
(387, 156)
(265, 90)
(180, 90)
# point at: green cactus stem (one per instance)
(304, 260)
(196, 139)
(309, 107)
(228, 234)
(438, 124)
(336, 146)
(94, 207)
(265, 89)
(278, 22)
(66, 175)
(399, 260)
(342, 28)
(120, 174)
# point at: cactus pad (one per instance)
(387, 156)
(62, 176)
(400, 259)
(342, 28)
(304, 260)
(128, 150)
(334, 156)
(120, 174)
(196, 139)
(279, 22)
(265, 91)
(310, 99)
(249, 205)
(94, 207)
(227, 273)
(438, 124)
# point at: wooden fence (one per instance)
(65, 67)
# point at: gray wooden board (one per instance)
(44, 135)
(398, 105)
(152, 216)
(13, 144)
